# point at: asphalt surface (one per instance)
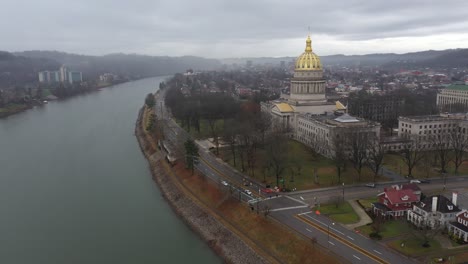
(294, 210)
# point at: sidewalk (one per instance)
(364, 218)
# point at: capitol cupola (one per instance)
(308, 61)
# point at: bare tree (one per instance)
(339, 157)
(277, 154)
(359, 143)
(441, 146)
(376, 156)
(459, 144)
(230, 135)
(411, 154)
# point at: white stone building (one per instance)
(455, 94)
(434, 212)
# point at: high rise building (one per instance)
(63, 74)
(74, 77)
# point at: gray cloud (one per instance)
(217, 28)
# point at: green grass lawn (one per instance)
(391, 228)
(205, 130)
(367, 203)
(309, 162)
(11, 108)
(395, 162)
(344, 213)
(413, 246)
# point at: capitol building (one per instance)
(307, 115)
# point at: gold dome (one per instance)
(308, 61)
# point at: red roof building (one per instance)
(396, 200)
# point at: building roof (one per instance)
(284, 107)
(463, 215)
(345, 118)
(339, 106)
(444, 205)
(459, 87)
(395, 196)
(308, 61)
(460, 226)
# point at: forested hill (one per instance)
(20, 68)
(431, 58)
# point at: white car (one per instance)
(248, 192)
(225, 183)
(415, 181)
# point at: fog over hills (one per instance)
(430, 58)
(21, 67)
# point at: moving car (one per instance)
(370, 185)
(415, 181)
(225, 183)
(248, 192)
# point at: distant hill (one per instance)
(430, 58)
(125, 64)
(20, 70)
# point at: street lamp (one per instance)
(328, 238)
(343, 192)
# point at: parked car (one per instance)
(267, 190)
(225, 183)
(415, 181)
(248, 192)
(370, 185)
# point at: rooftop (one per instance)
(444, 205)
(458, 87)
(284, 107)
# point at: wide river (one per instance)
(75, 188)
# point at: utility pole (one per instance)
(343, 192)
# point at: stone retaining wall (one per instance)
(222, 240)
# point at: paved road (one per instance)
(347, 244)
(293, 210)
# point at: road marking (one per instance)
(305, 213)
(331, 243)
(350, 238)
(356, 257)
(301, 198)
(339, 232)
(288, 208)
(309, 230)
(341, 240)
(377, 252)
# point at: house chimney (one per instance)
(434, 204)
(454, 198)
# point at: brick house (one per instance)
(396, 200)
(459, 228)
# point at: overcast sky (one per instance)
(234, 28)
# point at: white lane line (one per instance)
(305, 213)
(326, 225)
(331, 243)
(350, 238)
(301, 198)
(309, 230)
(356, 257)
(288, 208)
(377, 252)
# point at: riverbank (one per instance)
(222, 240)
(13, 109)
(18, 108)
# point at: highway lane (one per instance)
(356, 192)
(345, 243)
(217, 171)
